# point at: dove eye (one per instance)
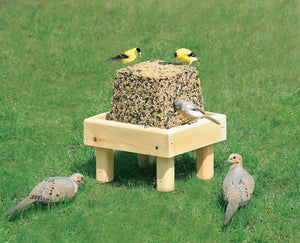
(234, 157)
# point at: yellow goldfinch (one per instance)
(186, 55)
(127, 56)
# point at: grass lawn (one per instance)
(53, 76)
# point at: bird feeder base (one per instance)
(108, 135)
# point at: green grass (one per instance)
(53, 76)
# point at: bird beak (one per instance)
(227, 161)
(140, 54)
(176, 58)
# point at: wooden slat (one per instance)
(166, 143)
(126, 137)
(197, 135)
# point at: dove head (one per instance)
(235, 160)
(78, 178)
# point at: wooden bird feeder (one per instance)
(142, 120)
(108, 135)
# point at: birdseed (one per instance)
(144, 93)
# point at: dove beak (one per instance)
(227, 161)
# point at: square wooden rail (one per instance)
(201, 136)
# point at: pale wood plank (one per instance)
(134, 140)
(165, 174)
(199, 134)
(205, 162)
(104, 164)
(168, 143)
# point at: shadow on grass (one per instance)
(128, 173)
(221, 202)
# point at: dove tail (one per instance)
(232, 206)
(211, 119)
(22, 204)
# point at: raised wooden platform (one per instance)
(164, 143)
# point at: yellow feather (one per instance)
(183, 53)
(132, 54)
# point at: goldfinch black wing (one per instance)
(118, 57)
(192, 54)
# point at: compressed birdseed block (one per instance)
(144, 93)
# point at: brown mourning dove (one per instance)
(52, 189)
(191, 111)
(238, 186)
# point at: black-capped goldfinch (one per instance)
(127, 56)
(186, 55)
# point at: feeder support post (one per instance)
(104, 164)
(205, 162)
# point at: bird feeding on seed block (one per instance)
(127, 56)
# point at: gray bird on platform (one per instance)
(191, 111)
(52, 189)
(238, 186)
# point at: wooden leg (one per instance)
(146, 160)
(104, 165)
(165, 174)
(205, 162)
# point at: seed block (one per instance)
(144, 93)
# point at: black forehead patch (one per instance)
(192, 54)
(175, 54)
(138, 49)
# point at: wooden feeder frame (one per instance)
(108, 135)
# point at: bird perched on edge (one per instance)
(191, 111)
(186, 55)
(127, 56)
(52, 189)
(238, 186)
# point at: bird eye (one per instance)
(234, 157)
